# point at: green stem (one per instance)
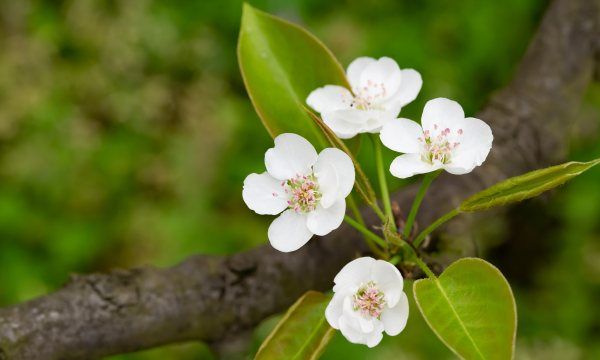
(366, 232)
(427, 180)
(424, 267)
(434, 226)
(378, 211)
(354, 209)
(385, 195)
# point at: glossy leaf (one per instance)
(281, 63)
(302, 333)
(471, 308)
(525, 186)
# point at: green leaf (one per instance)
(471, 308)
(525, 186)
(302, 333)
(281, 63)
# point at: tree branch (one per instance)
(211, 298)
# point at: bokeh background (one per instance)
(126, 133)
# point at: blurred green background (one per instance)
(126, 133)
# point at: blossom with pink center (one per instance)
(447, 140)
(368, 300)
(308, 191)
(379, 89)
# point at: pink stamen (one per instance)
(369, 300)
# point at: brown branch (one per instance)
(212, 298)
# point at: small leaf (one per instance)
(525, 186)
(471, 308)
(302, 333)
(281, 63)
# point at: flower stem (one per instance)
(424, 267)
(427, 180)
(385, 195)
(434, 226)
(371, 236)
(354, 209)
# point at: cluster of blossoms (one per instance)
(308, 190)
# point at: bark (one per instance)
(212, 298)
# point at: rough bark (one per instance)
(212, 298)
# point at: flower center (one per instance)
(304, 193)
(439, 148)
(369, 300)
(366, 98)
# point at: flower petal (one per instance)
(354, 273)
(475, 145)
(322, 220)
(402, 135)
(409, 87)
(358, 329)
(441, 113)
(337, 161)
(356, 68)
(407, 165)
(389, 280)
(334, 310)
(288, 232)
(338, 121)
(264, 194)
(329, 98)
(350, 332)
(394, 319)
(292, 155)
(374, 338)
(380, 80)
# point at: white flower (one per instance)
(446, 141)
(368, 300)
(310, 189)
(379, 90)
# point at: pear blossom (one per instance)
(444, 140)
(368, 300)
(309, 191)
(379, 89)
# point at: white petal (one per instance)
(356, 68)
(409, 87)
(338, 122)
(374, 338)
(329, 183)
(388, 279)
(264, 194)
(329, 98)
(337, 161)
(475, 145)
(394, 319)
(288, 232)
(292, 155)
(362, 323)
(380, 80)
(402, 135)
(407, 165)
(355, 121)
(354, 273)
(358, 329)
(322, 221)
(334, 310)
(350, 332)
(440, 114)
